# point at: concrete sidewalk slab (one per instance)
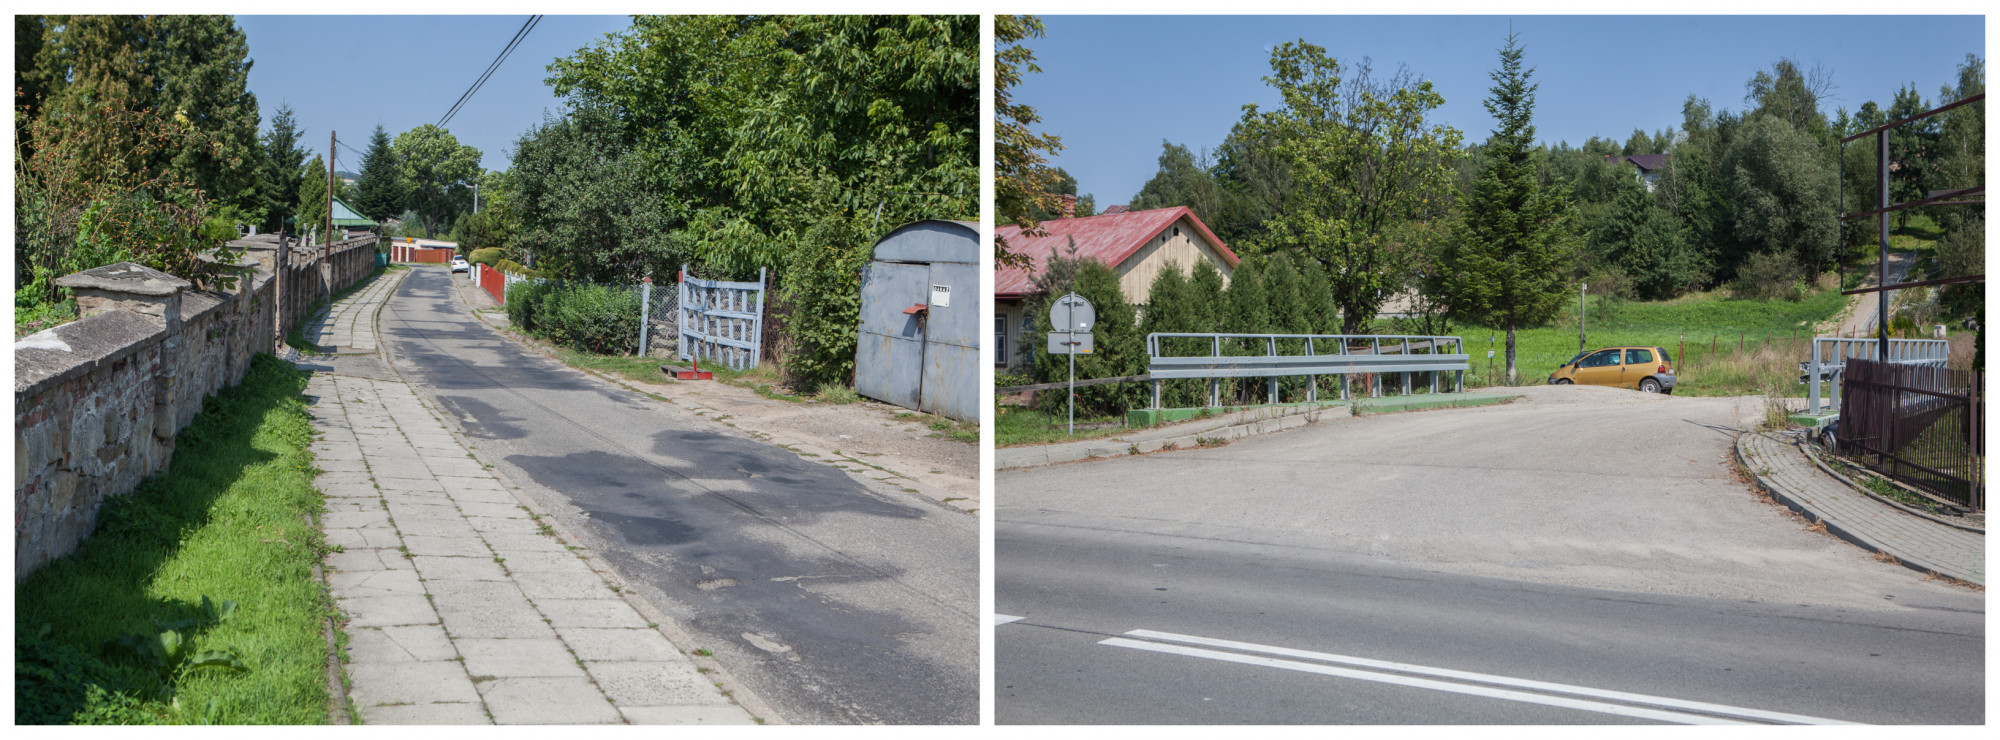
(459, 608)
(1917, 542)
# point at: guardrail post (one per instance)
(1271, 350)
(1156, 395)
(1215, 384)
(1312, 381)
(1375, 379)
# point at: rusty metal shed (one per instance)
(921, 320)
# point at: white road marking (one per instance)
(1000, 619)
(1756, 714)
(1425, 683)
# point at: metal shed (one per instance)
(921, 317)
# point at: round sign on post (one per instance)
(1072, 313)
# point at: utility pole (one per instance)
(326, 243)
(1582, 289)
(475, 197)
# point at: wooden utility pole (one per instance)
(326, 243)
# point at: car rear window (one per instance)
(1638, 356)
(1665, 356)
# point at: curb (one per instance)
(1835, 528)
(1115, 448)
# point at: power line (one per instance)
(533, 21)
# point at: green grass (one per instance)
(1725, 340)
(226, 520)
(637, 369)
(1024, 425)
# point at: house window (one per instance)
(1000, 341)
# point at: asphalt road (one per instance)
(834, 601)
(1363, 570)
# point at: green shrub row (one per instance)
(598, 319)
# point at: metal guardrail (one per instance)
(1353, 354)
(1830, 356)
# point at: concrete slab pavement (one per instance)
(462, 605)
(1917, 542)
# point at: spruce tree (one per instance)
(380, 193)
(1206, 309)
(1509, 260)
(283, 158)
(203, 67)
(311, 208)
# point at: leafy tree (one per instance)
(381, 192)
(1507, 263)
(746, 122)
(1066, 185)
(1254, 179)
(1961, 163)
(1183, 180)
(1205, 298)
(437, 170)
(1911, 148)
(1792, 95)
(1361, 162)
(587, 203)
(1171, 309)
(1021, 179)
(1782, 192)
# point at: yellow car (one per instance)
(1648, 369)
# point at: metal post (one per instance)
(1882, 248)
(1072, 381)
(1215, 384)
(1406, 360)
(645, 313)
(1812, 379)
(1375, 380)
(1582, 306)
(1271, 349)
(1312, 381)
(326, 244)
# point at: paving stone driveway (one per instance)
(462, 608)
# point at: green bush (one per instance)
(823, 288)
(597, 319)
(521, 301)
(1769, 276)
(488, 256)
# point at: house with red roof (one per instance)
(1134, 244)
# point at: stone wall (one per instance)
(97, 401)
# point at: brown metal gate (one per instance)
(1924, 426)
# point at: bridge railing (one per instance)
(1830, 356)
(1324, 354)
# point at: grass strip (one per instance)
(228, 521)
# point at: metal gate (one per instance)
(921, 319)
(721, 321)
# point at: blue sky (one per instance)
(1114, 86)
(348, 73)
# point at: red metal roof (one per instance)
(1109, 239)
(1115, 210)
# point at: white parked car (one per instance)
(458, 264)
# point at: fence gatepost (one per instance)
(645, 312)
